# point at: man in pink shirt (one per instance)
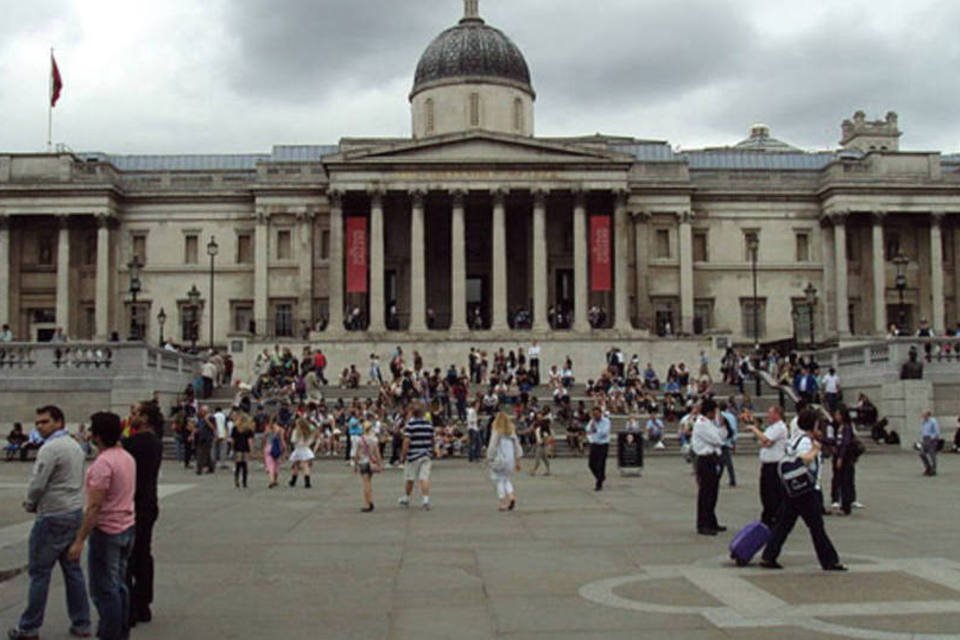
(109, 523)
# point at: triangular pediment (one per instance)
(477, 148)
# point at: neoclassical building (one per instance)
(473, 219)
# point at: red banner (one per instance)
(601, 275)
(356, 255)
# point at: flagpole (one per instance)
(50, 107)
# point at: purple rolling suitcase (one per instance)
(748, 541)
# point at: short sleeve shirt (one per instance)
(777, 432)
(115, 472)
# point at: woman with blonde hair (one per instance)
(503, 457)
(302, 457)
(367, 461)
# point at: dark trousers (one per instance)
(207, 387)
(535, 370)
(809, 507)
(843, 475)
(708, 479)
(771, 494)
(204, 459)
(397, 447)
(474, 444)
(598, 462)
(140, 565)
(726, 462)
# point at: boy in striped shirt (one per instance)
(417, 454)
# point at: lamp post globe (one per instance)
(161, 320)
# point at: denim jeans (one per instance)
(107, 565)
(50, 538)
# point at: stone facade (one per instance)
(479, 220)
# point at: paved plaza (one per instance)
(569, 563)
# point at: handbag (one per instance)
(795, 475)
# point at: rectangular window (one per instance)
(325, 245)
(803, 247)
(662, 249)
(191, 249)
(138, 320)
(138, 243)
(283, 320)
(853, 245)
(891, 243)
(284, 242)
(241, 312)
(189, 322)
(947, 242)
(244, 248)
(664, 317)
(702, 316)
(700, 246)
(754, 324)
(90, 250)
(89, 322)
(751, 243)
(45, 244)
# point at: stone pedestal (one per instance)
(902, 403)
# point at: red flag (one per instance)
(600, 254)
(56, 82)
(356, 254)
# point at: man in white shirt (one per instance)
(773, 448)
(831, 390)
(533, 357)
(707, 443)
(473, 434)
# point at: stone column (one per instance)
(4, 270)
(335, 265)
(63, 275)
(686, 271)
(824, 317)
(879, 277)
(541, 275)
(938, 321)
(418, 265)
(840, 252)
(377, 304)
(499, 319)
(641, 244)
(581, 291)
(102, 302)
(458, 264)
(621, 237)
(261, 260)
(305, 299)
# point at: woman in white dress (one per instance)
(302, 457)
(503, 458)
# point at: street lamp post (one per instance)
(901, 261)
(161, 320)
(811, 294)
(753, 246)
(212, 249)
(194, 297)
(135, 286)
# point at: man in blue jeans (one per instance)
(109, 523)
(55, 495)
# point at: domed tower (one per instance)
(472, 77)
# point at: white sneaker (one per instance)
(426, 506)
(835, 505)
(404, 501)
(660, 445)
(857, 505)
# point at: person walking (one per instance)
(109, 522)
(273, 450)
(773, 447)
(541, 441)
(808, 505)
(930, 437)
(598, 435)
(417, 455)
(203, 438)
(474, 437)
(55, 494)
(367, 461)
(302, 457)
(729, 425)
(706, 443)
(503, 458)
(844, 463)
(147, 450)
(242, 436)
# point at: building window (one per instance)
(90, 250)
(751, 237)
(700, 246)
(803, 247)
(45, 249)
(89, 322)
(191, 249)
(283, 320)
(754, 324)
(325, 245)
(474, 109)
(138, 244)
(948, 246)
(430, 116)
(189, 321)
(891, 243)
(284, 248)
(518, 115)
(241, 312)
(244, 248)
(138, 319)
(664, 317)
(662, 249)
(702, 316)
(853, 245)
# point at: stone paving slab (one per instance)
(305, 563)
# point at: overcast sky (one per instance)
(226, 76)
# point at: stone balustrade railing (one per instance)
(879, 362)
(36, 359)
